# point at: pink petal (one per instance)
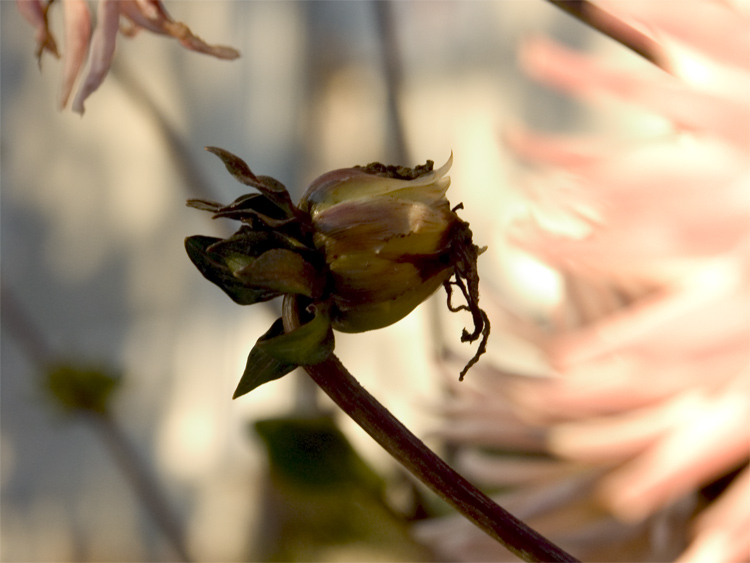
(148, 14)
(102, 50)
(711, 442)
(641, 241)
(549, 150)
(487, 431)
(714, 28)
(676, 323)
(34, 12)
(77, 35)
(589, 390)
(507, 470)
(722, 529)
(619, 437)
(689, 109)
(664, 169)
(639, 252)
(730, 506)
(660, 200)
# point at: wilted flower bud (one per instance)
(363, 248)
(386, 239)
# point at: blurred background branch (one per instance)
(87, 393)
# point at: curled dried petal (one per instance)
(151, 15)
(36, 15)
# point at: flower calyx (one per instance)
(361, 250)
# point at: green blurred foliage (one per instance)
(81, 388)
(323, 502)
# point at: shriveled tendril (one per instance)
(464, 254)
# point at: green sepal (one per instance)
(276, 353)
(261, 367)
(306, 345)
(283, 271)
(214, 268)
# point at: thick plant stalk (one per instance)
(334, 379)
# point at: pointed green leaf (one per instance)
(215, 269)
(261, 367)
(309, 344)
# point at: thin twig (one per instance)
(334, 379)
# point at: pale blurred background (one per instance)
(93, 222)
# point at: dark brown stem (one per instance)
(334, 379)
(614, 28)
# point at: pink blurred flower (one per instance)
(652, 376)
(79, 41)
(506, 452)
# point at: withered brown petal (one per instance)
(273, 190)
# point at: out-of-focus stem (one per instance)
(40, 354)
(393, 75)
(143, 485)
(194, 179)
(614, 28)
(23, 330)
(334, 379)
